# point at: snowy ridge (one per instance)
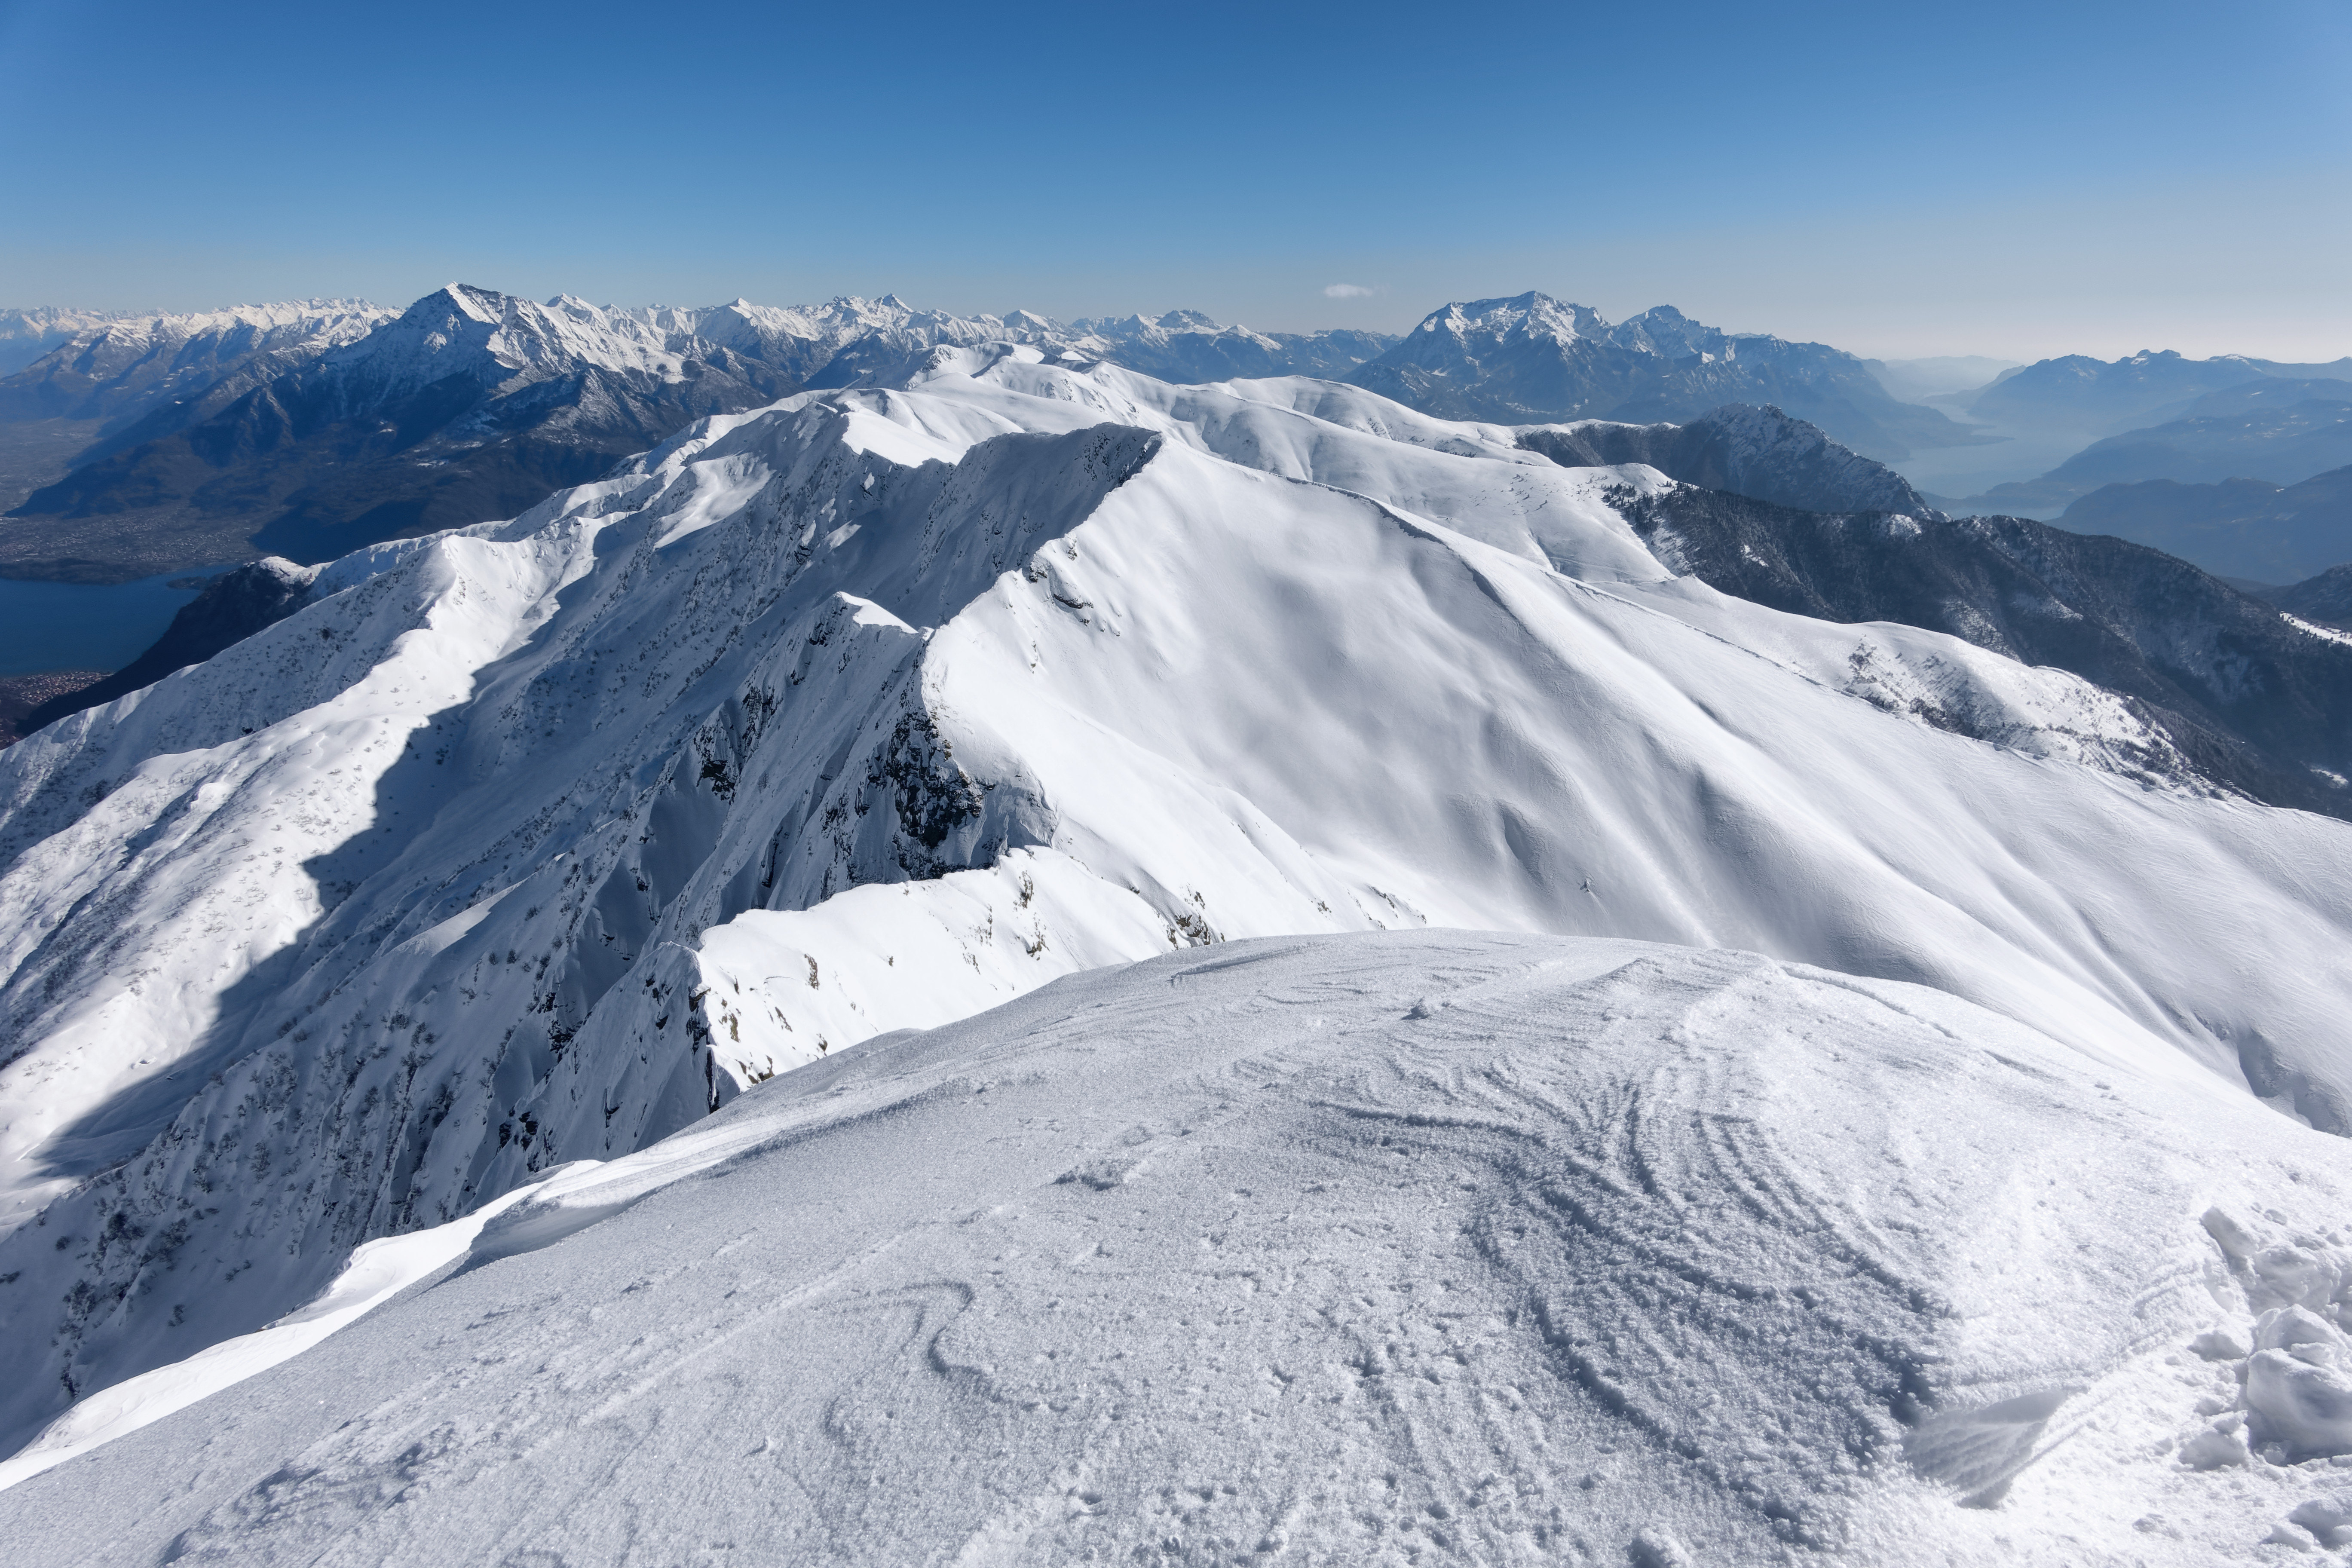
(1388, 1248)
(26, 335)
(121, 368)
(502, 340)
(538, 841)
(1748, 450)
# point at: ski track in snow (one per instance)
(535, 843)
(1425, 1247)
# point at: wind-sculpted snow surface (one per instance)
(539, 841)
(1381, 1249)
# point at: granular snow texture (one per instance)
(1385, 1248)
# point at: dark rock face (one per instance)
(2255, 704)
(1532, 359)
(1757, 452)
(232, 607)
(2237, 527)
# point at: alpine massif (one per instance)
(1906, 1121)
(159, 444)
(1533, 358)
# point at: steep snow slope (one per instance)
(2250, 699)
(1404, 1248)
(539, 841)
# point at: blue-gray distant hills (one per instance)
(2275, 430)
(2246, 528)
(2103, 397)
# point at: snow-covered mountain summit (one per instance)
(26, 335)
(1532, 359)
(1427, 1248)
(539, 840)
(499, 339)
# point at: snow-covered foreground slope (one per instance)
(540, 841)
(1407, 1247)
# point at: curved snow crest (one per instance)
(1433, 1245)
(358, 829)
(878, 707)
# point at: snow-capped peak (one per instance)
(1528, 315)
(501, 338)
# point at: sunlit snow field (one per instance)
(498, 984)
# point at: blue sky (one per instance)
(1994, 178)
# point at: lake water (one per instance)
(79, 626)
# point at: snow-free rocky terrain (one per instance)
(537, 842)
(1417, 1248)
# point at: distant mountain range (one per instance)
(1532, 359)
(26, 335)
(2097, 397)
(309, 430)
(139, 444)
(115, 371)
(83, 376)
(2246, 528)
(166, 443)
(2280, 431)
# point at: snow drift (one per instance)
(1422, 1246)
(540, 841)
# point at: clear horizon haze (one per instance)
(2007, 180)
